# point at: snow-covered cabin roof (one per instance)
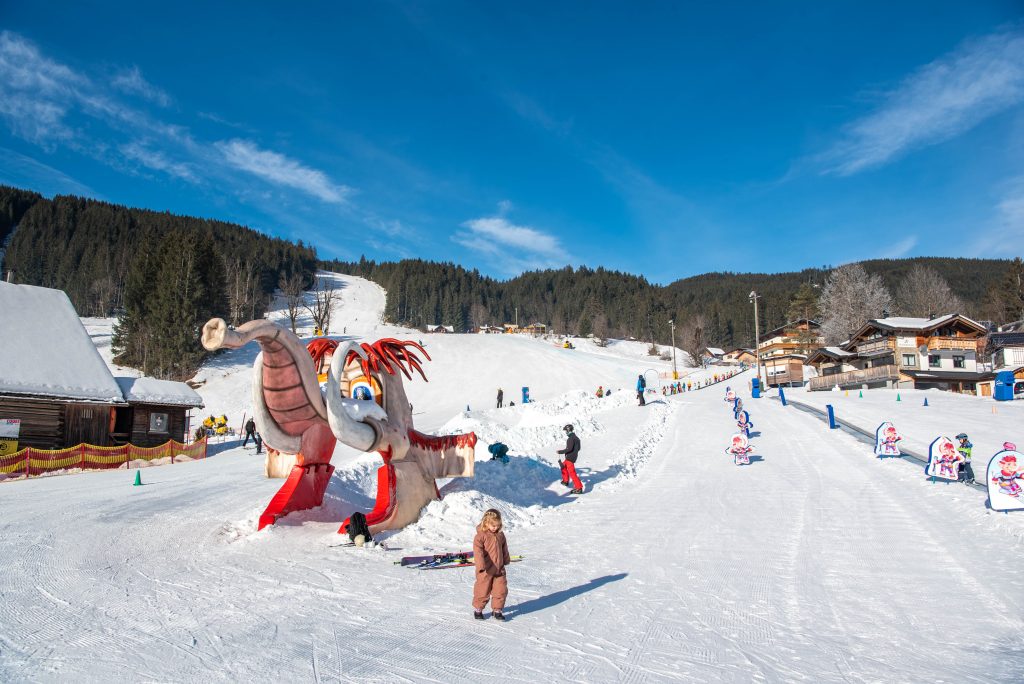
(715, 351)
(46, 350)
(907, 323)
(163, 392)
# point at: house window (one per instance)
(958, 362)
(158, 422)
(910, 360)
(934, 361)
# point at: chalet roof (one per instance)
(739, 350)
(46, 350)
(153, 391)
(811, 324)
(922, 324)
(1001, 340)
(834, 353)
(908, 324)
(715, 351)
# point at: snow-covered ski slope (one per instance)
(816, 563)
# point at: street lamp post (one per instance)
(675, 373)
(757, 332)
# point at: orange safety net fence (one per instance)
(31, 461)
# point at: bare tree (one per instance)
(849, 299)
(324, 296)
(291, 290)
(925, 293)
(478, 315)
(600, 328)
(103, 291)
(691, 339)
(243, 281)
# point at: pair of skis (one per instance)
(441, 561)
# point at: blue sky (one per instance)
(650, 137)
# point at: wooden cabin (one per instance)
(54, 381)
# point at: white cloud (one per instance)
(1011, 207)
(513, 248)
(902, 248)
(131, 81)
(35, 92)
(935, 103)
(39, 96)
(280, 170)
(158, 161)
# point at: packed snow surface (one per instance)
(816, 563)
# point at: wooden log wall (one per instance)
(141, 436)
(42, 423)
(88, 423)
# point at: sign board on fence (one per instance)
(10, 428)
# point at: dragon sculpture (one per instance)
(363, 405)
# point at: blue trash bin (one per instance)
(755, 388)
(1004, 386)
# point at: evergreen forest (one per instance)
(713, 306)
(164, 275)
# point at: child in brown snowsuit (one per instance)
(490, 556)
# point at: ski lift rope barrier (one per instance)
(863, 435)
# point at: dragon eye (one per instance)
(366, 388)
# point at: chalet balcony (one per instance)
(856, 378)
(952, 343)
(874, 346)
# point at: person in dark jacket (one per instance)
(250, 431)
(501, 397)
(571, 452)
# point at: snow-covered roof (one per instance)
(46, 351)
(908, 323)
(837, 352)
(715, 351)
(153, 391)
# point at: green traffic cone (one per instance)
(897, 396)
(138, 478)
(860, 395)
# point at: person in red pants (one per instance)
(571, 452)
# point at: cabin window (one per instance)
(158, 422)
(910, 359)
(934, 361)
(958, 362)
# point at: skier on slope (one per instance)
(250, 431)
(490, 556)
(501, 397)
(571, 452)
(641, 387)
(965, 448)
